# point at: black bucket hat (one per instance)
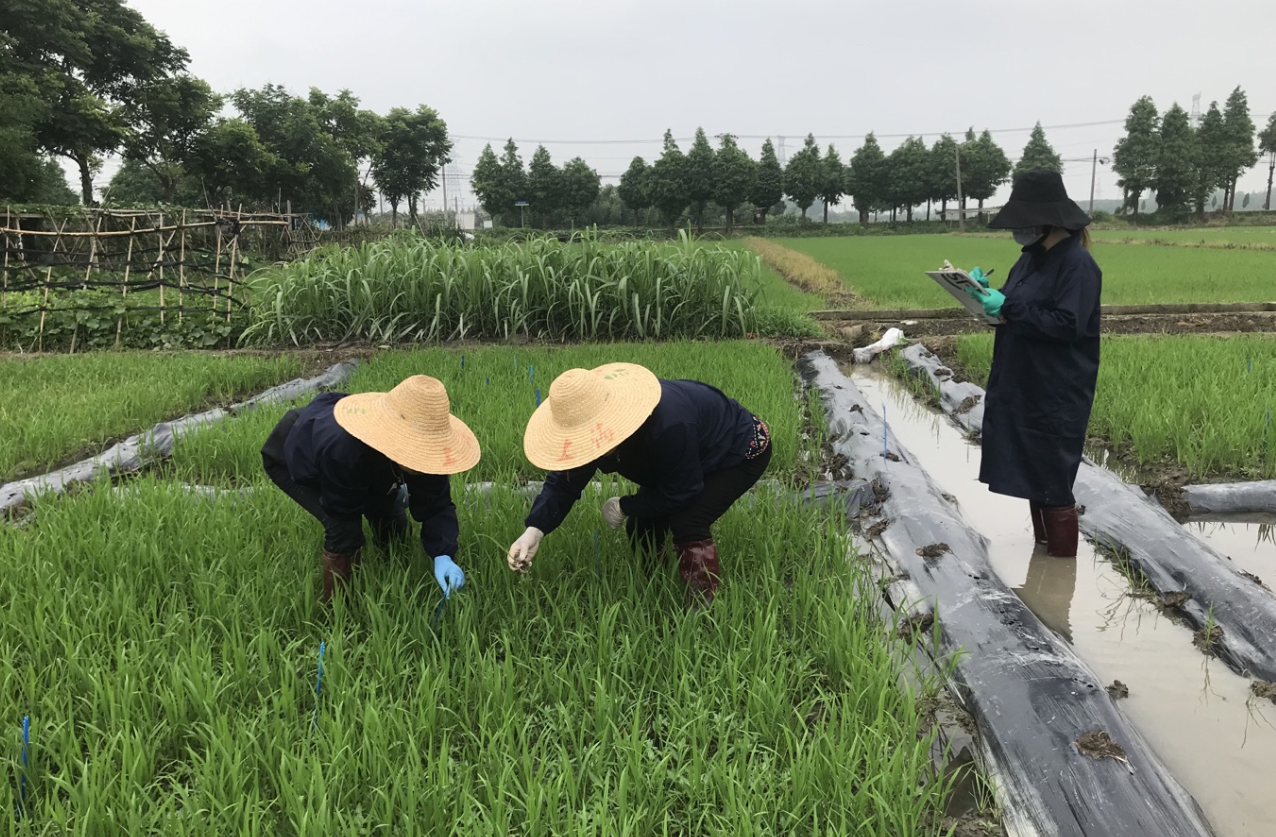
(1038, 198)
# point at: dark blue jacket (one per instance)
(355, 481)
(1044, 367)
(694, 430)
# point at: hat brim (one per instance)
(370, 419)
(1017, 215)
(632, 394)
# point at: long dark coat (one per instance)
(1044, 367)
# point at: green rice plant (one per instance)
(416, 289)
(802, 271)
(58, 408)
(493, 389)
(1259, 238)
(1192, 401)
(165, 648)
(889, 272)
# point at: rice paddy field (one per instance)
(167, 650)
(1202, 403)
(1259, 237)
(888, 271)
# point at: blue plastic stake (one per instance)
(462, 361)
(314, 721)
(531, 373)
(1249, 365)
(22, 779)
(886, 435)
(598, 564)
(489, 380)
(438, 611)
(538, 396)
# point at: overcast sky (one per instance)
(579, 74)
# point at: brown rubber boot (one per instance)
(1038, 522)
(698, 566)
(1061, 530)
(336, 571)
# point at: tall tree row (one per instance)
(544, 194)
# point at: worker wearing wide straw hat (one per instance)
(346, 457)
(1045, 358)
(691, 450)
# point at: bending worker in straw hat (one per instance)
(346, 457)
(692, 451)
(1045, 358)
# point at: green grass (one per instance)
(1196, 401)
(890, 271)
(58, 407)
(1208, 236)
(165, 648)
(497, 412)
(773, 291)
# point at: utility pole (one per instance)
(1271, 169)
(961, 207)
(444, 179)
(1094, 171)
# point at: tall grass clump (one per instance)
(415, 289)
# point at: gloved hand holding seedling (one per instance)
(524, 549)
(449, 576)
(612, 513)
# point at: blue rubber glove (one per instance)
(991, 300)
(448, 574)
(979, 276)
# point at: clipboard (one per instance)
(955, 281)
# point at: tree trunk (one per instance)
(1271, 169)
(86, 179)
(863, 217)
(928, 210)
(826, 212)
(908, 213)
(943, 210)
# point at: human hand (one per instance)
(523, 550)
(449, 576)
(979, 276)
(992, 301)
(612, 514)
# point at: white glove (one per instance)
(612, 514)
(524, 549)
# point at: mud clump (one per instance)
(1097, 744)
(892, 457)
(875, 531)
(968, 403)
(933, 551)
(1118, 690)
(1206, 638)
(855, 408)
(1173, 601)
(1263, 690)
(1254, 578)
(916, 623)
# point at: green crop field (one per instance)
(166, 649)
(890, 270)
(57, 407)
(1210, 236)
(1197, 401)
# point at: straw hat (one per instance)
(411, 425)
(589, 412)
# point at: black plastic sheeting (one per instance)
(1120, 517)
(1234, 498)
(136, 452)
(1031, 696)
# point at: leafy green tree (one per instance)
(768, 187)
(580, 186)
(1135, 155)
(734, 177)
(942, 183)
(1267, 144)
(490, 187)
(544, 189)
(1211, 157)
(410, 155)
(167, 118)
(804, 175)
(908, 180)
(669, 192)
(514, 174)
(699, 176)
(1177, 170)
(229, 162)
(635, 188)
(21, 163)
(50, 186)
(984, 168)
(867, 180)
(1240, 155)
(832, 181)
(1038, 154)
(360, 132)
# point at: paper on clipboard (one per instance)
(955, 281)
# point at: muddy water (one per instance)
(1194, 712)
(1250, 544)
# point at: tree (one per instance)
(768, 187)
(942, 183)
(832, 180)
(734, 177)
(544, 191)
(1135, 155)
(411, 154)
(1240, 155)
(1177, 170)
(514, 176)
(580, 188)
(360, 132)
(21, 163)
(805, 175)
(489, 186)
(1211, 157)
(669, 192)
(166, 119)
(1267, 144)
(984, 168)
(866, 181)
(1038, 154)
(230, 163)
(635, 188)
(908, 173)
(699, 176)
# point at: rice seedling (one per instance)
(415, 289)
(166, 651)
(803, 272)
(493, 389)
(888, 271)
(1260, 238)
(56, 408)
(1199, 402)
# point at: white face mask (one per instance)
(1027, 236)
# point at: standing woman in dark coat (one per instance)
(1045, 358)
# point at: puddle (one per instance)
(1195, 713)
(1251, 544)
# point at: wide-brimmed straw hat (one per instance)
(1039, 199)
(411, 424)
(589, 412)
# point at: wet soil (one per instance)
(1223, 323)
(1264, 690)
(1097, 744)
(1118, 690)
